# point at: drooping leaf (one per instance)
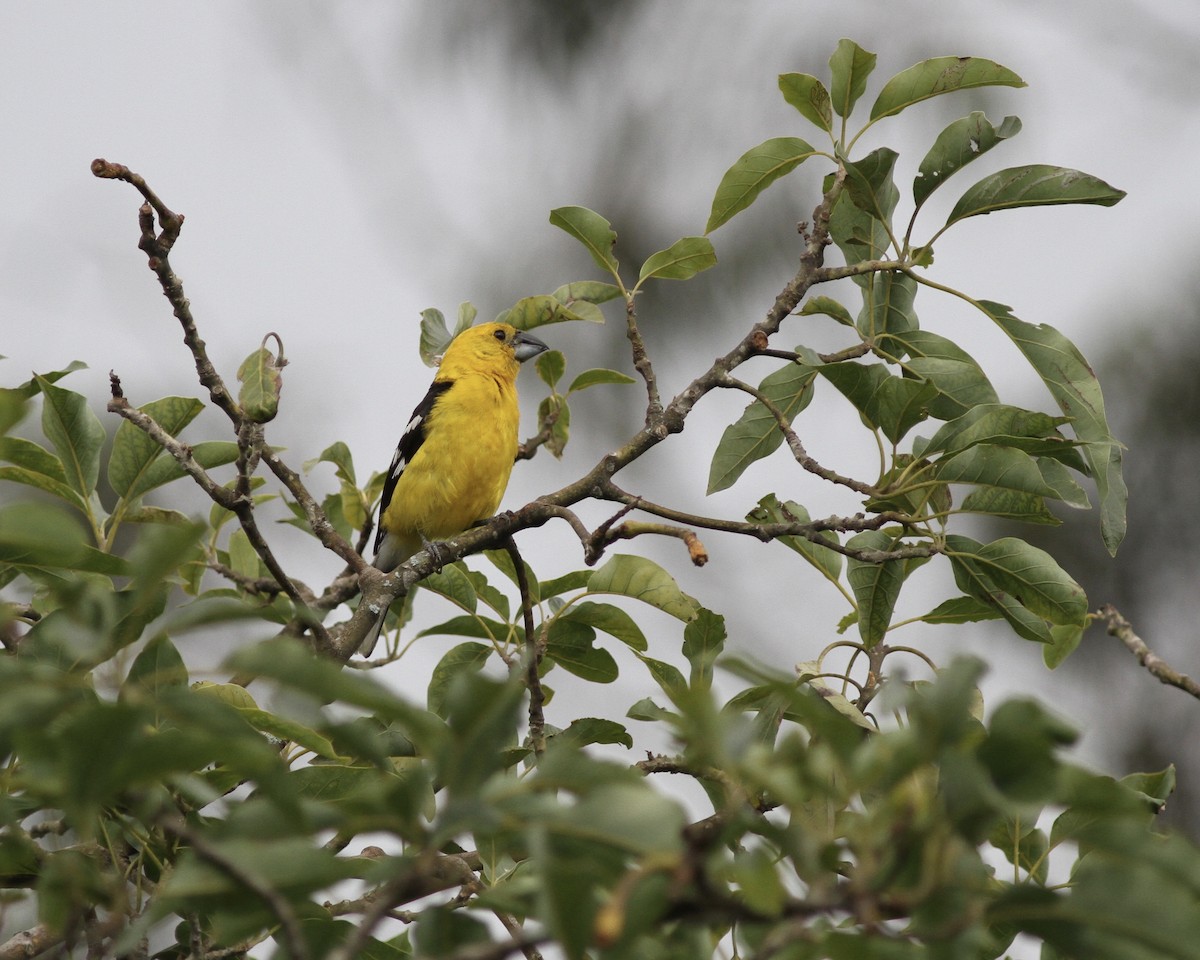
(827, 307)
(682, 260)
(590, 229)
(890, 403)
(1074, 386)
(752, 173)
(756, 433)
(550, 367)
(537, 311)
(887, 305)
(931, 78)
(572, 645)
(961, 142)
(876, 586)
(611, 619)
(642, 579)
(1034, 185)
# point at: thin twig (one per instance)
(289, 923)
(1121, 628)
(533, 653)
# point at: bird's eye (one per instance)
(499, 335)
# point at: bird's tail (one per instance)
(367, 647)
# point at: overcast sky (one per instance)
(344, 165)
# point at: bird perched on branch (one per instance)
(453, 461)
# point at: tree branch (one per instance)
(1121, 628)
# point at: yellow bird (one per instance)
(454, 459)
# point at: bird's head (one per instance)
(490, 347)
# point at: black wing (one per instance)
(406, 449)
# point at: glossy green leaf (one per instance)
(849, 66)
(642, 579)
(756, 433)
(76, 433)
(808, 95)
(931, 78)
(261, 383)
(1035, 185)
(1074, 386)
(961, 610)
(752, 173)
(876, 586)
(961, 142)
(590, 229)
(134, 451)
(682, 260)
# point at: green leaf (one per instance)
(611, 619)
(989, 465)
(961, 142)
(466, 656)
(629, 576)
(827, 307)
(1009, 505)
(41, 535)
(133, 451)
(435, 337)
(261, 383)
(887, 402)
(1023, 583)
(771, 510)
(870, 186)
(682, 260)
(1029, 430)
(1035, 185)
(207, 453)
(590, 229)
(876, 586)
(703, 640)
(931, 78)
(850, 66)
(76, 434)
(752, 173)
(453, 583)
(961, 610)
(857, 234)
(808, 95)
(756, 433)
(537, 311)
(597, 375)
(887, 305)
(666, 675)
(550, 366)
(1075, 388)
(157, 667)
(339, 455)
(588, 730)
(586, 291)
(1064, 639)
(572, 646)
(37, 467)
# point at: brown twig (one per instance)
(1121, 628)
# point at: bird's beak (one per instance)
(526, 346)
